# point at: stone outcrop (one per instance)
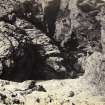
(25, 30)
(52, 39)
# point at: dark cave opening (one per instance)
(28, 64)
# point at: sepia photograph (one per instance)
(52, 52)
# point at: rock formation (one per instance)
(43, 40)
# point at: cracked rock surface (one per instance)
(52, 52)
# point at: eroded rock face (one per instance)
(29, 50)
(51, 39)
(20, 28)
(74, 33)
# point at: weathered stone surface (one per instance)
(23, 44)
(7, 6)
(52, 39)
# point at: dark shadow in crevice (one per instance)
(27, 60)
(29, 64)
(43, 20)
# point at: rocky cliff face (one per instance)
(52, 39)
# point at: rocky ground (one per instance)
(52, 52)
